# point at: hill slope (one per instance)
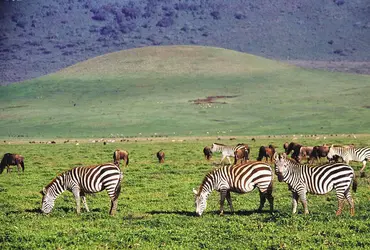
(227, 93)
(38, 37)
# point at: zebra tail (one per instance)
(354, 184)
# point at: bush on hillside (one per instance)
(216, 15)
(165, 22)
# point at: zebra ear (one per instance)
(43, 191)
(283, 155)
(195, 191)
(276, 156)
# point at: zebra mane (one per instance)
(219, 144)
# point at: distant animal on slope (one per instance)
(84, 180)
(267, 152)
(321, 179)
(241, 178)
(12, 160)
(160, 156)
(207, 152)
(120, 154)
(351, 154)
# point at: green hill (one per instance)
(184, 90)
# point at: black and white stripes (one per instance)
(83, 180)
(227, 151)
(320, 179)
(237, 178)
(351, 154)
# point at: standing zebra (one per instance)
(316, 180)
(83, 180)
(351, 154)
(227, 151)
(237, 178)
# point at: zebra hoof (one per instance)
(362, 174)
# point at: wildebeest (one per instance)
(241, 153)
(120, 154)
(207, 152)
(267, 152)
(319, 152)
(305, 152)
(12, 160)
(295, 147)
(160, 156)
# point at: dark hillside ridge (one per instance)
(39, 37)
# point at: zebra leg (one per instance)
(76, 193)
(340, 207)
(223, 194)
(362, 173)
(262, 201)
(304, 203)
(295, 197)
(270, 198)
(83, 198)
(114, 200)
(228, 198)
(228, 158)
(351, 203)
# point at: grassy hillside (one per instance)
(168, 91)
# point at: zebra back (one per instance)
(238, 178)
(318, 179)
(350, 153)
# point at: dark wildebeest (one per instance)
(241, 153)
(120, 155)
(160, 156)
(295, 147)
(11, 160)
(319, 152)
(305, 153)
(267, 152)
(207, 152)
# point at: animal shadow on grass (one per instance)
(34, 210)
(193, 214)
(185, 213)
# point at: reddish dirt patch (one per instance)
(213, 99)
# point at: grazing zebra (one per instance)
(241, 178)
(316, 180)
(351, 154)
(83, 180)
(120, 154)
(227, 151)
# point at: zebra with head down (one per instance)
(84, 180)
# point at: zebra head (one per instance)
(47, 201)
(200, 202)
(281, 165)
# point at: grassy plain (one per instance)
(156, 207)
(151, 91)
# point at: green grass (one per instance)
(150, 90)
(156, 206)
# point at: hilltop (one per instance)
(38, 37)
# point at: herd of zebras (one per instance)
(240, 177)
(301, 178)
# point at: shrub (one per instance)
(216, 15)
(240, 15)
(165, 22)
(127, 27)
(131, 12)
(107, 30)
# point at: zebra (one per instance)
(351, 154)
(320, 179)
(83, 180)
(226, 151)
(240, 178)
